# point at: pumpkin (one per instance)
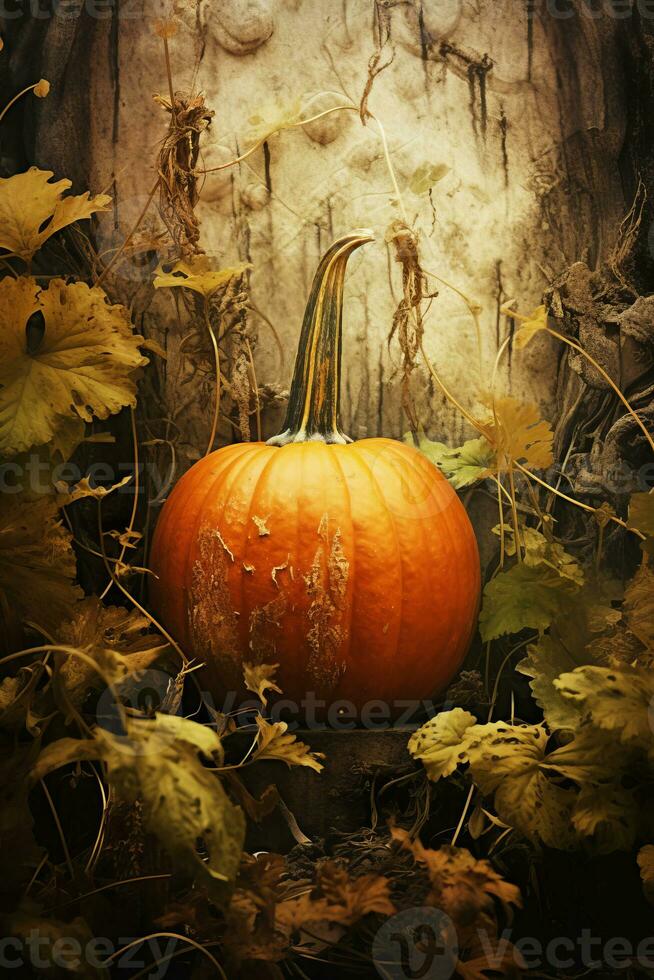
(352, 565)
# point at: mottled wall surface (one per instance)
(526, 113)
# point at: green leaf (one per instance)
(442, 742)
(525, 597)
(539, 550)
(173, 728)
(274, 117)
(573, 641)
(470, 462)
(426, 175)
(544, 663)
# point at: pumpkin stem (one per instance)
(314, 404)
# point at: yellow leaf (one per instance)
(356, 897)
(462, 886)
(183, 803)
(32, 208)
(83, 365)
(68, 436)
(531, 325)
(507, 761)
(83, 489)
(518, 433)
(618, 701)
(118, 640)
(441, 744)
(466, 464)
(546, 660)
(258, 679)
(638, 606)
(37, 564)
(195, 274)
(274, 742)
(129, 538)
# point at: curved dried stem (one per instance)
(167, 935)
(609, 380)
(155, 622)
(218, 390)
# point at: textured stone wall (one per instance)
(524, 115)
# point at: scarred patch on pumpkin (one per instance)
(280, 568)
(262, 527)
(228, 551)
(212, 618)
(262, 619)
(327, 587)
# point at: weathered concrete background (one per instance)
(526, 112)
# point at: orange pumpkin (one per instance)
(352, 565)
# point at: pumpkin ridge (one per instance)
(454, 520)
(362, 458)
